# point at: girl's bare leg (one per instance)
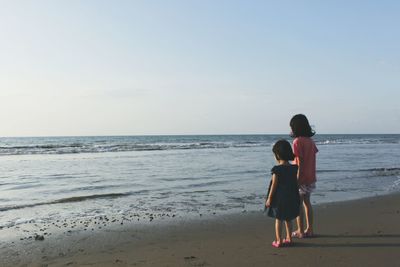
(288, 225)
(309, 214)
(278, 230)
(300, 218)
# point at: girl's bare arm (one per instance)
(272, 191)
(299, 167)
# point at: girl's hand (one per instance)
(274, 184)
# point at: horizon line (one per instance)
(140, 135)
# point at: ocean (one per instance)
(49, 180)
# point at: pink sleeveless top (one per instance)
(305, 148)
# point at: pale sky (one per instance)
(198, 67)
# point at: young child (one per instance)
(305, 152)
(283, 201)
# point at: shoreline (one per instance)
(102, 222)
(361, 232)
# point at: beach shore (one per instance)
(361, 232)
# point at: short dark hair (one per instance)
(300, 126)
(283, 150)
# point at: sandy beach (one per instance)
(148, 133)
(354, 233)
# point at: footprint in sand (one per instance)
(193, 261)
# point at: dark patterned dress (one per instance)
(285, 203)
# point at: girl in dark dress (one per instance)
(283, 201)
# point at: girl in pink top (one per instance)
(305, 152)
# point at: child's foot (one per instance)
(276, 244)
(287, 242)
(297, 234)
(308, 234)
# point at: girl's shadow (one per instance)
(354, 243)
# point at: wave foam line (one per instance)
(66, 200)
(364, 170)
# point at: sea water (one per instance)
(53, 179)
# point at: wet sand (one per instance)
(354, 233)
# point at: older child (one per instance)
(305, 152)
(283, 199)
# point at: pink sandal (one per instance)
(276, 244)
(287, 242)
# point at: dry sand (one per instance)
(354, 233)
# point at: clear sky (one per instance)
(198, 67)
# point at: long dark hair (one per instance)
(283, 150)
(300, 126)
